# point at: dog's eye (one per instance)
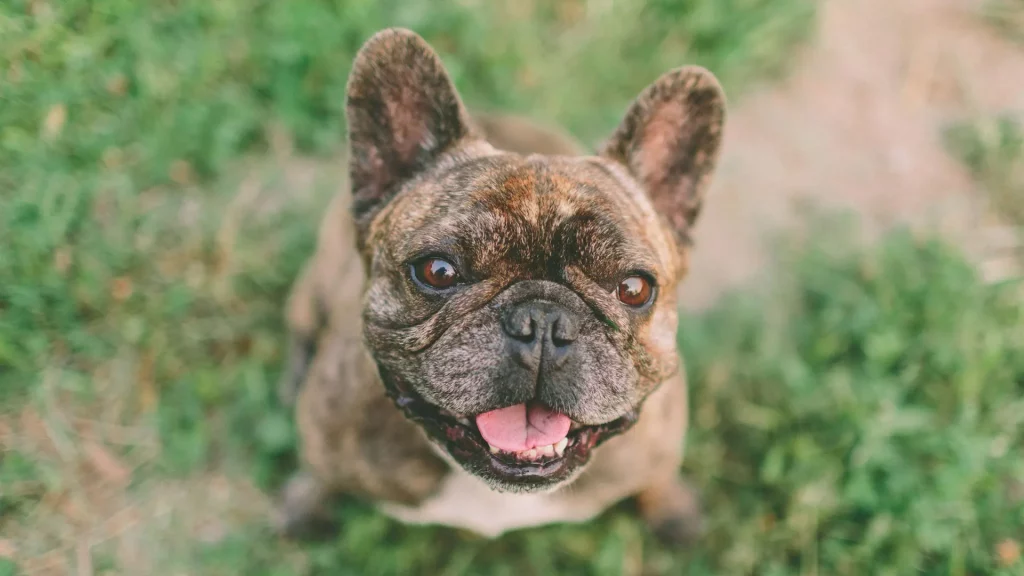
(635, 291)
(435, 273)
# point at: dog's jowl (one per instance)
(485, 337)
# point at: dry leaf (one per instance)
(281, 142)
(1008, 552)
(14, 72)
(117, 85)
(121, 288)
(181, 172)
(571, 12)
(53, 562)
(106, 464)
(39, 8)
(83, 553)
(34, 430)
(112, 158)
(148, 394)
(6, 435)
(53, 124)
(62, 259)
(65, 504)
(122, 521)
(7, 548)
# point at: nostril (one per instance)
(539, 321)
(520, 325)
(561, 342)
(563, 330)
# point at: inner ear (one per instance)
(670, 139)
(403, 112)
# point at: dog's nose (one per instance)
(540, 333)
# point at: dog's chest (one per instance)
(468, 503)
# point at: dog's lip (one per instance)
(470, 421)
(463, 441)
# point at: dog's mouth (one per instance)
(522, 447)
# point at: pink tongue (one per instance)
(517, 428)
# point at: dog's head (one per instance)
(520, 309)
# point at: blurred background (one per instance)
(854, 327)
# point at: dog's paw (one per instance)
(288, 387)
(673, 513)
(303, 511)
(305, 528)
(679, 532)
(300, 355)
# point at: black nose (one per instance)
(540, 333)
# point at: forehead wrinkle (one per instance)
(481, 237)
(513, 190)
(428, 199)
(453, 189)
(508, 207)
(452, 229)
(635, 203)
(618, 228)
(602, 244)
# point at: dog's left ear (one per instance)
(403, 112)
(670, 139)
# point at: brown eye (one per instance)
(435, 273)
(635, 291)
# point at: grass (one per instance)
(993, 150)
(871, 424)
(153, 213)
(1007, 16)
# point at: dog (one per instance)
(485, 337)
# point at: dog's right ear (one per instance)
(403, 112)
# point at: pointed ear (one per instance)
(403, 112)
(669, 140)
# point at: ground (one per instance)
(856, 409)
(859, 126)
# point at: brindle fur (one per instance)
(530, 216)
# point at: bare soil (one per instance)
(858, 126)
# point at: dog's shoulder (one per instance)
(354, 438)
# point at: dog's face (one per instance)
(520, 309)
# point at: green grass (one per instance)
(1007, 16)
(873, 418)
(151, 222)
(993, 150)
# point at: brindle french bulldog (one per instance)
(486, 335)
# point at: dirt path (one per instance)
(858, 125)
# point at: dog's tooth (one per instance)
(494, 449)
(548, 450)
(575, 426)
(560, 446)
(530, 454)
(463, 421)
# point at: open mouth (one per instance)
(526, 446)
